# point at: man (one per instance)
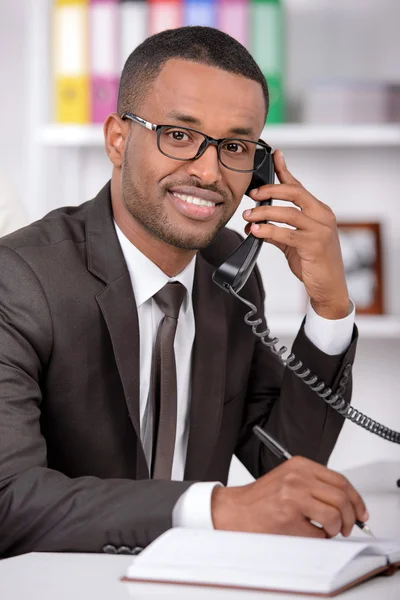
(84, 416)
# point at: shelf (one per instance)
(302, 135)
(72, 135)
(369, 326)
(287, 135)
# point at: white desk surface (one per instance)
(56, 576)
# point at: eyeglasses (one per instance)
(184, 143)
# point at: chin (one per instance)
(190, 243)
(193, 241)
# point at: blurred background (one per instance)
(334, 73)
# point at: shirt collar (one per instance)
(148, 279)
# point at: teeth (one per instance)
(193, 200)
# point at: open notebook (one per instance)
(263, 562)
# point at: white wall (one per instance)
(358, 183)
(13, 90)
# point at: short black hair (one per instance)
(194, 43)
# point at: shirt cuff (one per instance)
(193, 509)
(331, 336)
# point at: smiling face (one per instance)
(184, 204)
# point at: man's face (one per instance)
(210, 100)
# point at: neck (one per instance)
(169, 259)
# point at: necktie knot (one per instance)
(170, 298)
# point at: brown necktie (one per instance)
(163, 380)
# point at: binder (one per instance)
(266, 19)
(133, 27)
(104, 58)
(233, 18)
(200, 12)
(71, 61)
(164, 14)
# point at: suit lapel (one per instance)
(208, 370)
(118, 306)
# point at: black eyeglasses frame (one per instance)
(208, 141)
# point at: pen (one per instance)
(281, 452)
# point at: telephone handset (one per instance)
(236, 270)
(232, 275)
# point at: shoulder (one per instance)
(67, 223)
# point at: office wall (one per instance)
(13, 90)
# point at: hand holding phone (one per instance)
(310, 243)
(236, 270)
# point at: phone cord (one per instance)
(335, 400)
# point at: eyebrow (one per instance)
(189, 120)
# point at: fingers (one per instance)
(323, 496)
(327, 516)
(333, 508)
(298, 497)
(294, 193)
(284, 214)
(291, 190)
(342, 484)
(280, 235)
(335, 490)
(308, 529)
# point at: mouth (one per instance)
(194, 207)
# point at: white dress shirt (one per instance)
(193, 508)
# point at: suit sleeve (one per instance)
(42, 509)
(284, 405)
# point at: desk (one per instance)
(42, 576)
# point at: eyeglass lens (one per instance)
(237, 154)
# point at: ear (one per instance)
(116, 132)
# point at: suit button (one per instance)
(347, 370)
(124, 550)
(109, 549)
(137, 550)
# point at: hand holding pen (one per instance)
(297, 497)
(268, 440)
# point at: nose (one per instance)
(207, 167)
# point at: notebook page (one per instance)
(243, 559)
(388, 547)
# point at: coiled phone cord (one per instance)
(336, 401)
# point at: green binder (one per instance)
(266, 18)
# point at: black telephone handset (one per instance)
(232, 275)
(236, 270)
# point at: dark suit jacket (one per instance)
(73, 475)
